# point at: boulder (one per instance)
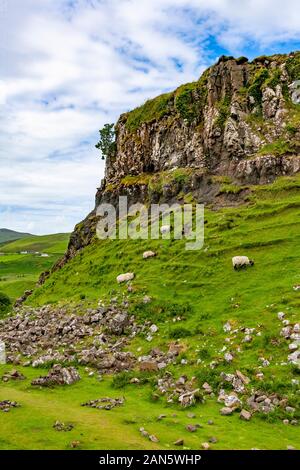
(58, 375)
(245, 415)
(179, 442)
(148, 366)
(225, 411)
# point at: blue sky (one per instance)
(69, 66)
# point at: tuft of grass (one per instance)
(279, 147)
(224, 112)
(152, 110)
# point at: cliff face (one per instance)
(239, 123)
(229, 115)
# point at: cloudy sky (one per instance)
(69, 66)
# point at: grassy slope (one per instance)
(20, 272)
(203, 289)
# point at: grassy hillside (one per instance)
(193, 295)
(19, 272)
(7, 235)
(46, 243)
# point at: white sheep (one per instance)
(125, 277)
(239, 262)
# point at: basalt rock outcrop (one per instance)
(240, 122)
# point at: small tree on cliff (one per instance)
(107, 142)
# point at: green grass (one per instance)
(203, 290)
(31, 425)
(153, 109)
(45, 243)
(279, 147)
(19, 272)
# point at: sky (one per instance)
(67, 67)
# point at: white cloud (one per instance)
(70, 66)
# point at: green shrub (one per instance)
(255, 88)
(121, 380)
(293, 67)
(224, 112)
(152, 110)
(180, 332)
(274, 79)
(5, 304)
(278, 147)
(190, 100)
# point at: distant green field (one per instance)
(19, 272)
(46, 243)
(7, 235)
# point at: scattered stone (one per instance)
(75, 444)
(153, 329)
(232, 401)
(247, 339)
(210, 422)
(213, 440)
(125, 277)
(227, 327)
(143, 432)
(207, 388)
(245, 415)
(286, 332)
(191, 428)
(7, 405)
(13, 375)
(153, 438)
(294, 358)
(286, 421)
(242, 377)
(179, 442)
(58, 375)
(290, 448)
(160, 417)
(55, 335)
(280, 315)
(290, 409)
(191, 415)
(226, 411)
(148, 366)
(228, 357)
(105, 403)
(205, 445)
(58, 426)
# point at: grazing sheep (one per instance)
(148, 254)
(239, 262)
(125, 277)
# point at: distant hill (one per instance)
(7, 235)
(55, 243)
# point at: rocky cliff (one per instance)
(208, 141)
